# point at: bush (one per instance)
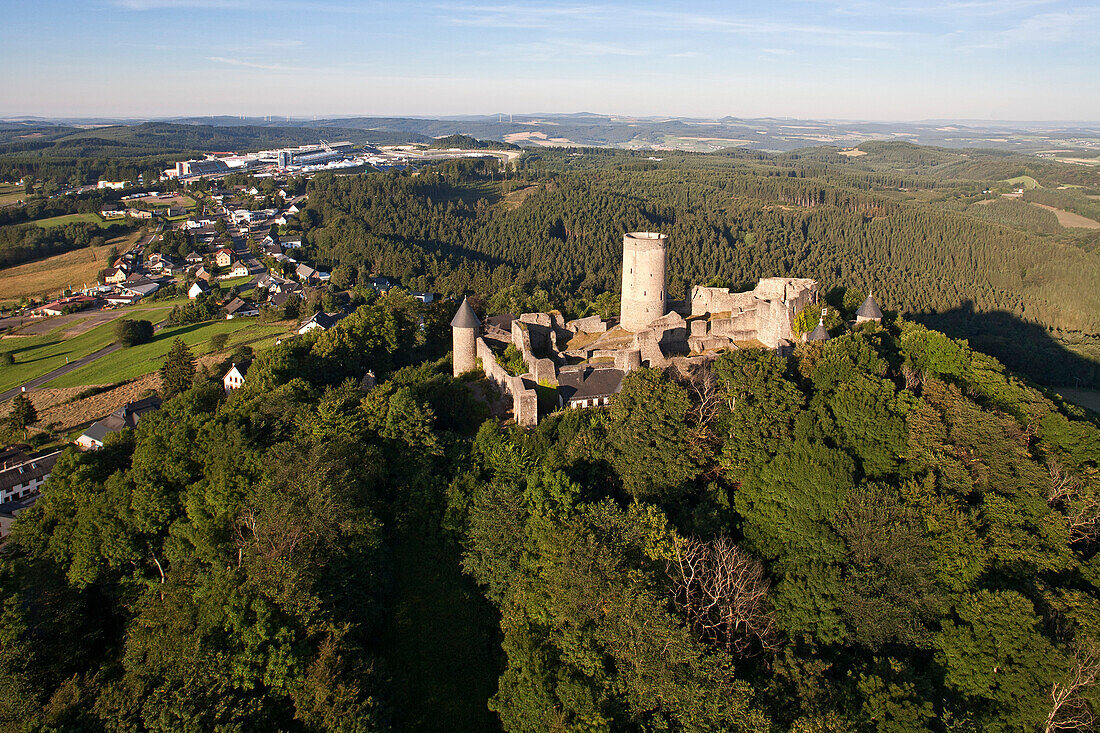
(131, 333)
(218, 341)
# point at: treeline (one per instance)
(884, 533)
(1069, 199)
(466, 142)
(731, 226)
(79, 170)
(44, 208)
(25, 242)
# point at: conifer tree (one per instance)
(22, 414)
(178, 372)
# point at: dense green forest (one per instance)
(884, 532)
(555, 222)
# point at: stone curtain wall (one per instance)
(524, 399)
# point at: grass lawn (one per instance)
(146, 358)
(37, 355)
(235, 282)
(1025, 182)
(60, 221)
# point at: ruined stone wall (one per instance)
(773, 322)
(720, 300)
(628, 360)
(525, 403)
(590, 324)
(645, 342)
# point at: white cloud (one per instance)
(247, 64)
(162, 4)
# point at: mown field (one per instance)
(37, 355)
(139, 360)
(60, 221)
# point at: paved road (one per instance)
(39, 381)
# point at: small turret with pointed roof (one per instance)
(464, 329)
(465, 317)
(819, 333)
(869, 311)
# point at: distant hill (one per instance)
(681, 133)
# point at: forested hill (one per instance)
(883, 533)
(947, 252)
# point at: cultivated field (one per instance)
(1069, 219)
(158, 202)
(1025, 182)
(47, 277)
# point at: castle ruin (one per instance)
(586, 359)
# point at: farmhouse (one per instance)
(20, 476)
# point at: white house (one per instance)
(234, 378)
(197, 289)
(238, 269)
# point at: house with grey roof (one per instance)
(22, 476)
(588, 386)
(240, 308)
(121, 419)
(323, 321)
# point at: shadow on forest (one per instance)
(1025, 348)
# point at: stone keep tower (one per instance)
(643, 279)
(464, 327)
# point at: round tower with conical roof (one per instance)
(464, 328)
(869, 311)
(643, 299)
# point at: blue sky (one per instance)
(840, 59)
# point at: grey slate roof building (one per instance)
(22, 476)
(869, 311)
(465, 318)
(239, 307)
(589, 387)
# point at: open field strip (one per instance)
(136, 361)
(1069, 219)
(60, 221)
(10, 193)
